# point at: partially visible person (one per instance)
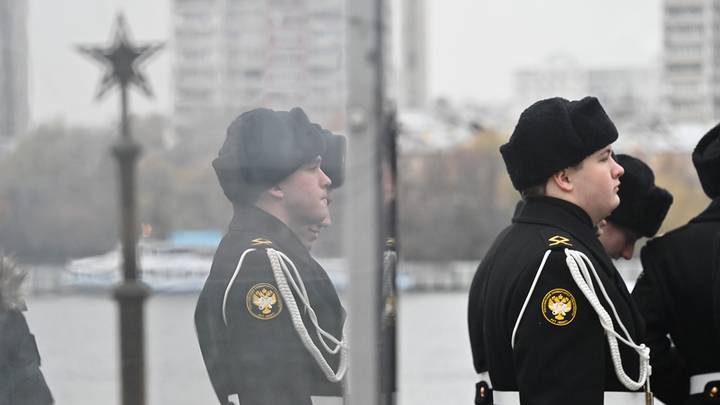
(643, 207)
(269, 321)
(21, 381)
(675, 294)
(716, 282)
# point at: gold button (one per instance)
(482, 392)
(713, 392)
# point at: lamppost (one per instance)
(122, 61)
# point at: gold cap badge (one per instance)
(559, 307)
(263, 301)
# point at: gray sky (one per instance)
(476, 44)
(63, 82)
(473, 47)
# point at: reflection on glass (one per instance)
(269, 321)
(388, 316)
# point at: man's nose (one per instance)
(627, 253)
(325, 180)
(618, 170)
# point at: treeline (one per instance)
(59, 193)
(59, 189)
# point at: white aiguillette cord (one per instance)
(282, 274)
(576, 262)
(579, 263)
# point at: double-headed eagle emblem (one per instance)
(263, 301)
(559, 307)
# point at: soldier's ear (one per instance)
(562, 180)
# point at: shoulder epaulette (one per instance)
(559, 240)
(556, 239)
(261, 242)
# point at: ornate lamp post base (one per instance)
(131, 299)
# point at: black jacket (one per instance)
(259, 355)
(674, 294)
(557, 358)
(21, 381)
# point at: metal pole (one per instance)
(363, 233)
(123, 61)
(131, 293)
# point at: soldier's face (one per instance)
(595, 183)
(306, 195)
(617, 241)
(310, 234)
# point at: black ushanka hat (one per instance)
(643, 205)
(706, 158)
(554, 134)
(263, 147)
(333, 158)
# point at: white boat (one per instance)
(180, 264)
(177, 265)
(164, 267)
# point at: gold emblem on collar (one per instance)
(559, 240)
(263, 301)
(558, 307)
(261, 242)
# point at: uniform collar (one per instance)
(552, 211)
(711, 213)
(563, 215)
(253, 220)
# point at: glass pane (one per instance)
(212, 184)
(238, 199)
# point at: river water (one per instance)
(77, 337)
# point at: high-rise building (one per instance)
(13, 70)
(558, 75)
(413, 55)
(692, 59)
(629, 95)
(234, 55)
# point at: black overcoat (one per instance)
(21, 381)
(259, 354)
(558, 358)
(675, 295)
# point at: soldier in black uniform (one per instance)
(643, 207)
(531, 325)
(269, 321)
(675, 293)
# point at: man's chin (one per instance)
(308, 243)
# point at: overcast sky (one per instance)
(473, 47)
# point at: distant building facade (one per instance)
(628, 94)
(14, 114)
(234, 55)
(557, 76)
(691, 66)
(413, 51)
